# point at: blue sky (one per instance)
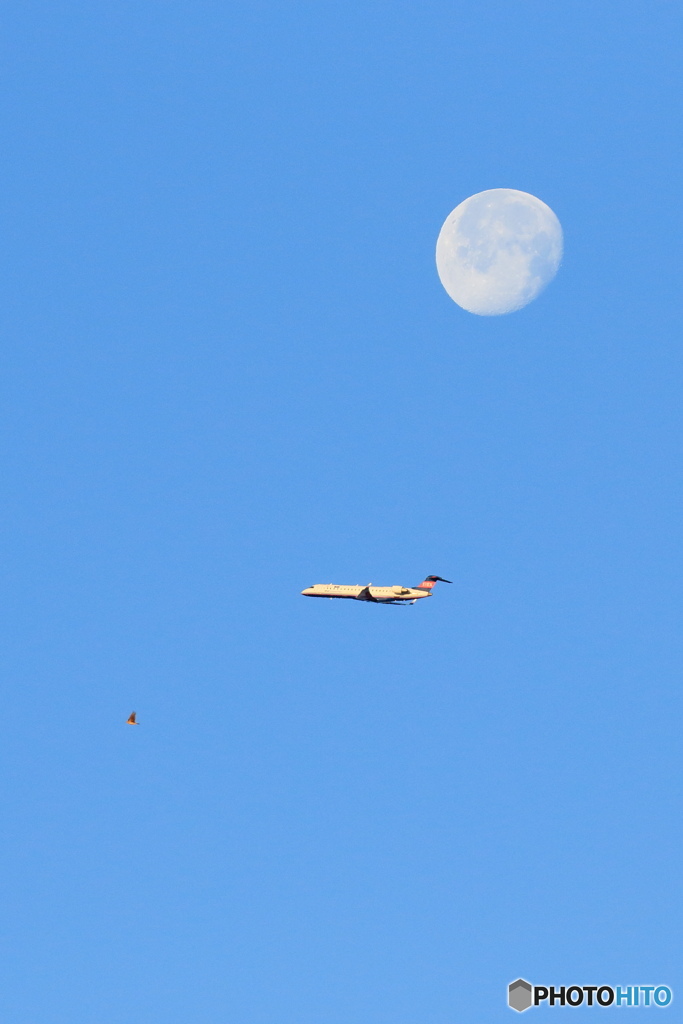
(230, 371)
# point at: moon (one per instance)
(498, 250)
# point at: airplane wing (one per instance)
(365, 595)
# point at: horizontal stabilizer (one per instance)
(430, 581)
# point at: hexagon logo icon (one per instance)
(519, 995)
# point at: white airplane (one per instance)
(378, 595)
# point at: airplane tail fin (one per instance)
(430, 582)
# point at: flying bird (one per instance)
(131, 720)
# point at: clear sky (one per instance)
(229, 371)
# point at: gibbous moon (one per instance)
(498, 250)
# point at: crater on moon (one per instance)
(498, 250)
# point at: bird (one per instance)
(131, 720)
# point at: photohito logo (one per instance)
(522, 995)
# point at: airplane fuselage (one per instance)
(382, 595)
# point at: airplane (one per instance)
(378, 595)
